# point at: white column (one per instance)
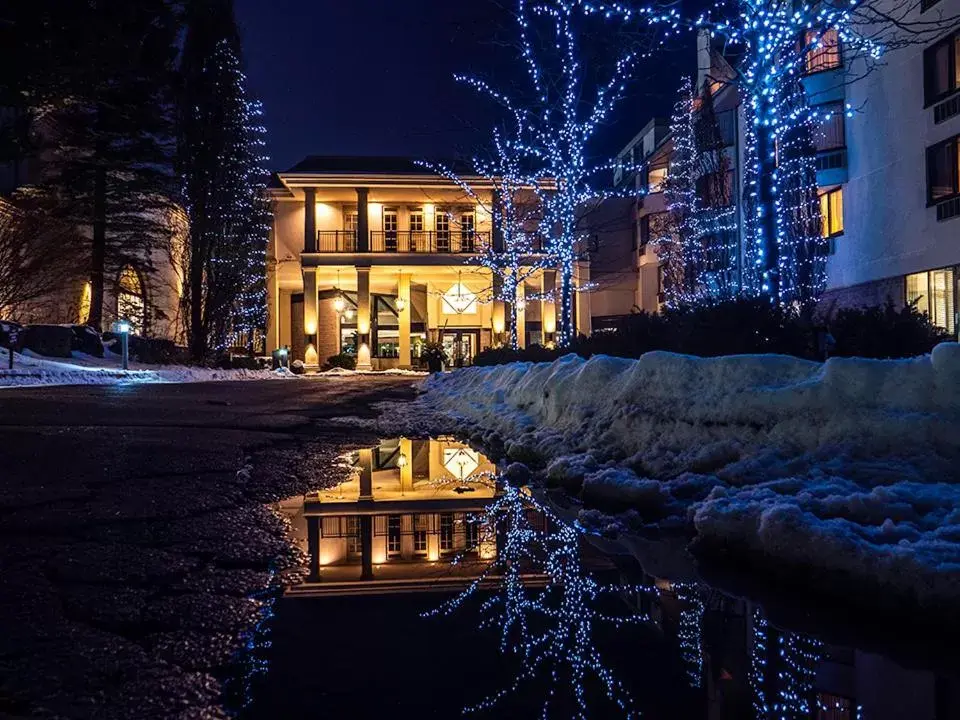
(363, 319)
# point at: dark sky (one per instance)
(375, 77)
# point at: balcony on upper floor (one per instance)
(418, 242)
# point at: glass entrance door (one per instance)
(460, 346)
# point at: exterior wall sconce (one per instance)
(401, 304)
(402, 460)
(339, 304)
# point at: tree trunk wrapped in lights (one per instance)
(556, 124)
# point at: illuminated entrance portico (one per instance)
(376, 256)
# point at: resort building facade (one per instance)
(888, 177)
(376, 256)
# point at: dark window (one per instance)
(941, 71)
(834, 707)
(652, 226)
(830, 134)
(943, 171)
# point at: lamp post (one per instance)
(123, 327)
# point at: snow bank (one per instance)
(31, 370)
(852, 464)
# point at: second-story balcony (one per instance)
(456, 241)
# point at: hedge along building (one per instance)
(376, 256)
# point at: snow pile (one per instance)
(851, 464)
(31, 370)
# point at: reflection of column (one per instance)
(498, 316)
(310, 315)
(548, 308)
(406, 465)
(403, 293)
(584, 321)
(521, 315)
(366, 474)
(313, 546)
(363, 220)
(363, 318)
(366, 546)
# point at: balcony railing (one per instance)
(404, 241)
(428, 241)
(337, 241)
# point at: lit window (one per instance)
(934, 294)
(416, 220)
(943, 170)
(917, 292)
(86, 299)
(130, 300)
(831, 212)
(655, 178)
(823, 50)
(943, 299)
(941, 68)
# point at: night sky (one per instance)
(375, 77)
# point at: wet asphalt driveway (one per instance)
(134, 540)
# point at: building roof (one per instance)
(362, 164)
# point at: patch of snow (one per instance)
(31, 369)
(852, 464)
(389, 371)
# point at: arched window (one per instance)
(131, 304)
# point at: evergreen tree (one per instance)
(220, 158)
(100, 110)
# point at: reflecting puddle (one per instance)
(437, 587)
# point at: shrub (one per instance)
(434, 355)
(150, 351)
(297, 367)
(884, 332)
(343, 360)
(748, 326)
(87, 340)
(48, 340)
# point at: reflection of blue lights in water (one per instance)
(691, 630)
(543, 603)
(783, 668)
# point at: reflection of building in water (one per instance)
(408, 505)
(753, 669)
